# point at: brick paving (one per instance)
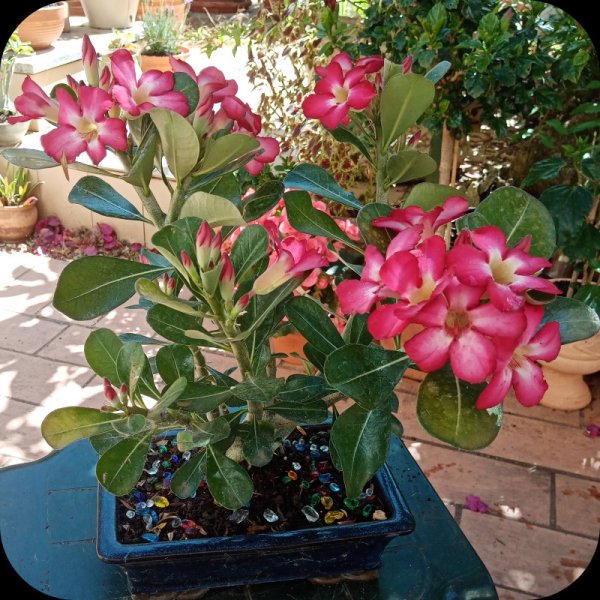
(540, 477)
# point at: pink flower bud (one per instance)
(215, 248)
(186, 261)
(171, 283)
(105, 78)
(144, 260)
(227, 280)
(407, 65)
(109, 392)
(90, 62)
(203, 240)
(414, 138)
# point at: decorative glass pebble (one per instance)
(139, 496)
(325, 477)
(296, 466)
(188, 524)
(186, 455)
(324, 448)
(333, 515)
(351, 504)
(334, 487)
(305, 484)
(270, 516)
(167, 475)
(160, 502)
(174, 459)
(162, 449)
(367, 510)
(166, 464)
(313, 447)
(148, 522)
(154, 516)
(315, 499)
(315, 453)
(292, 475)
(140, 506)
(239, 515)
(175, 522)
(150, 537)
(285, 479)
(327, 502)
(369, 491)
(379, 515)
(130, 514)
(310, 513)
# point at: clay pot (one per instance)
(75, 8)
(17, 222)
(44, 26)
(110, 14)
(154, 6)
(162, 63)
(567, 389)
(220, 6)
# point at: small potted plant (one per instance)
(161, 37)
(18, 205)
(11, 133)
(44, 26)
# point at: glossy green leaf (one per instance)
(134, 369)
(446, 410)
(438, 71)
(175, 361)
(302, 388)
(315, 357)
(258, 389)
(210, 432)
(408, 165)
(215, 210)
(429, 195)
(228, 482)
(304, 217)
(142, 166)
(249, 248)
(100, 197)
(189, 88)
(356, 330)
(315, 179)
(577, 320)
(169, 396)
(344, 135)
(120, 467)
(312, 412)
(569, 206)
(517, 214)
(309, 317)
(380, 237)
(63, 426)
(590, 295)
(361, 439)
(549, 168)
(172, 325)
(403, 100)
(150, 290)
(130, 425)
(92, 286)
(178, 236)
(103, 441)
(257, 442)
(226, 186)
(188, 476)
(367, 374)
(262, 200)
(101, 349)
(225, 150)
(140, 339)
(202, 397)
(178, 140)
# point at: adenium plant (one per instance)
(226, 272)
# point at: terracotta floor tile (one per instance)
(28, 294)
(564, 417)
(25, 333)
(68, 346)
(511, 491)
(591, 414)
(578, 505)
(532, 559)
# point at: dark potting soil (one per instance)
(299, 489)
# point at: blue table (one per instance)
(48, 529)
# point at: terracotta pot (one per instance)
(44, 26)
(110, 14)
(567, 389)
(75, 8)
(286, 344)
(154, 6)
(219, 6)
(148, 61)
(17, 222)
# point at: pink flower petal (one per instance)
(113, 133)
(429, 349)
(434, 313)
(315, 106)
(545, 344)
(453, 207)
(469, 265)
(63, 140)
(472, 356)
(503, 297)
(496, 390)
(94, 102)
(491, 321)
(360, 95)
(335, 116)
(401, 273)
(490, 239)
(475, 503)
(528, 382)
(384, 323)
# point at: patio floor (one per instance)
(540, 477)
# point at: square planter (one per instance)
(253, 559)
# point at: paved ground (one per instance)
(540, 478)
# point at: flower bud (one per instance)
(203, 249)
(215, 248)
(227, 279)
(241, 305)
(90, 62)
(407, 65)
(109, 391)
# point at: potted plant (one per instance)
(180, 8)
(161, 37)
(291, 468)
(11, 133)
(18, 205)
(44, 26)
(110, 14)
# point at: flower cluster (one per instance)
(470, 302)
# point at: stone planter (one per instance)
(110, 14)
(11, 135)
(567, 389)
(17, 222)
(44, 26)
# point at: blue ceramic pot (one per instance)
(253, 559)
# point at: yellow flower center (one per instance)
(456, 321)
(502, 271)
(88, 129)
(341, 94)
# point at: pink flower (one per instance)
(292, 259)
(506, 272)
(153, 90)
(34, 103)
(341, 88)
(457, 327)
(516, 366)
(84, 127)
(270, 150)
(241, 113)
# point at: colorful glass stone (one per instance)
(149, 537)
(325, 477)
(324, 448)
(147, 521)
(334, 487)
(161, 501)
(186, 455)
(296, 466)
(175, 522)
(285, 479)
(174, 459)
(239, 515)
(166, 464)
(333, 515)
(149, 503)
(162, 449)
(130, 514)
(140, 506)
(367, 510)
(315, 499)
(292, 475)
(310, 513)
(327, 502)
(351, 504)
(304, 484)
(270, 516)
(379, 515)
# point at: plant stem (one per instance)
(381, 191)
(176, 204)
(157, 216)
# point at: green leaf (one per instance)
(257, 442)
(175, 361)
(249, 248)
(103, 441)
(361, 439)
(29, 158)
(179, 141)
(408, 165)
(119, 468)
(590, 167)
(172, 325)
(210, 432)
(584, 244)
(262, 201)
(202, 397)
(316, 358)
(150, 290)
(304, 217)
(590, 295)
(131, 425)
(134, 369)
(189, 88)
(577, 320)
(310, 318)
(258, 389)
(436, 73)
(312, 178)
(225, 150)
(549, 168)
(312, 412)
(569, 206)
(169, 396)
(356, 330)
(188, 476)
(517, 214)
(217, 211)
(63, 426)
(229, 483)
(446, 410)
(92, 286)
(142, 166)
(380, 237)
(344, 135)
(367, 374)
(178, 236)
(302, 388)
(403, 100)
(101, 349)
(429, 195)
(100, 197)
